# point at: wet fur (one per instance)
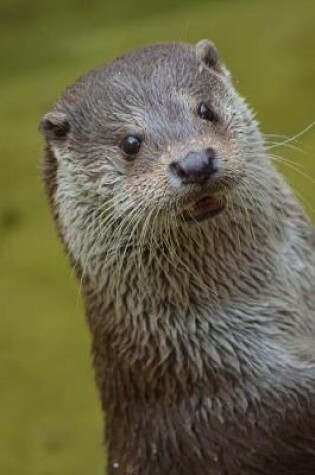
(203, 333)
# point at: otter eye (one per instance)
(131, 144)
(206, 113)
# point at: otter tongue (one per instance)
(207, 204)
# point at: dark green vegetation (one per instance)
(50, 417)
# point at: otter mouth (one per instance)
(206, 207)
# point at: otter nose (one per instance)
(196, 167)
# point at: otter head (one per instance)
(157, 139)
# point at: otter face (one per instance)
(159, 134)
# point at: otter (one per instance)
(196, 263)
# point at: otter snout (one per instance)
(196, 167)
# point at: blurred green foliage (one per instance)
(50, 415)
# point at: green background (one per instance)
(50, 420)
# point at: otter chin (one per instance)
(202, 335)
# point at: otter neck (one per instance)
(185, 313)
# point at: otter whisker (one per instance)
(292, 166)
(270, 144)
(296, 136)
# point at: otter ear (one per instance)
(55, 125)
(208, 54)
